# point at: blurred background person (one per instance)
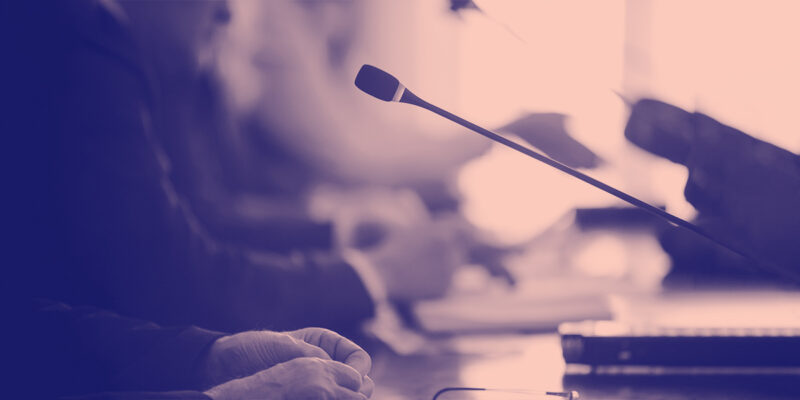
(253, 170)
(298, 148)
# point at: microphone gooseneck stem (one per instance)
(410, 98)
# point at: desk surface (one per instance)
(534, 361)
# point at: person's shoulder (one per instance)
(47, 30)
(89, 17)
(99, 23)
(92, 53)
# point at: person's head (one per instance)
(180, 35)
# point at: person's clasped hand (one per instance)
(307, 363)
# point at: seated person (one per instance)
(99, 226)
(745, 190)
(305, 151)
(116, 230)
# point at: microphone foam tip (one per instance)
(377, 82)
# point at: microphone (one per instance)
(382, 85)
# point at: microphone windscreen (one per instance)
(376, 82)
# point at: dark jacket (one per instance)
(98, 223)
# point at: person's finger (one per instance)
(337, 347)
(274, 347)
(354, 356)
(246, 353)
(367, 386)
(301, 348)
(344, 375)
(340, 393)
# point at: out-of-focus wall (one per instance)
(534, 56)
(735, 60)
